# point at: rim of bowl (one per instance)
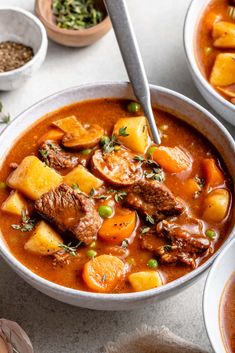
(72, 32)
(220, 256)
(190, 52)
(115, 297)
(43, 42)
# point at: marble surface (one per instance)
(55, 327)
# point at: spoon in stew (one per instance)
(129, 48)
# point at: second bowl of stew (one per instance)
(94, 214)
(209, 39)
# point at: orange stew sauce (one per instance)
(210, 34)
(106, 112)
(227, 315)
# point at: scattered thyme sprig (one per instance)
(108, 144)
(122, 131)
(71, 250)
(27, 224)
(4, 118)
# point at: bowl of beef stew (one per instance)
(219, 301)
(94, 214)
(209, 40)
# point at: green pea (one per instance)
(133, 107)
(105, 211)
(91, 254)
(86, 151)
(152, 263)
(208, 50)
(2, 185)
(104, 140)
(151, 150)
(210, 233)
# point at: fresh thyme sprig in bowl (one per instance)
(76, 14)
(74, 23)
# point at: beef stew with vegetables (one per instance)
(99, 207)
(215, 46)
(227, 315)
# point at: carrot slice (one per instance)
(53, 134)
(118, 228)
(191, 187)
(172, 159)
(212, 173)
(103, 273)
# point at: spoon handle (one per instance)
(129, 48)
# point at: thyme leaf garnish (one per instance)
(145, 230)
(27, 224)
(108, 144)
(122, 131)
(4, 118)
(71, 250)
(44, 154)
(150, 219)
(119, 195)
(125, 244)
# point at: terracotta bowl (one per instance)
(69, 37)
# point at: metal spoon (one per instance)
(129, 48)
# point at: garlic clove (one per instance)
(14, 338)
(3, 346)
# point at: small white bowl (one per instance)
(182, 107)
(222, 269)
(223, 107)
(21, 26)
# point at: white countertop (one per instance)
(59, 328)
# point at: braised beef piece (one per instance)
(70, 211)
(179, 245)
(153, 198)
(192, 243)
(55, 157)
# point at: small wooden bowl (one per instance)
(70, 37)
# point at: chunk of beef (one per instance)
(71, 212)
(55, 157)
(153, 198)
(173, 244)
(192, 243)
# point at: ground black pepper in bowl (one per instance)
(14, 55)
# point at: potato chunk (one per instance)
(69, 125)
(44, 240)
(224, 34)
(85, 180)
(33, 178)
(136, 131)
(216, 205)
(223, 71)
(145, 280)
(14, 204)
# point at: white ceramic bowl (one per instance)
(222, 269)
(171, 101)
(21, 26)
(223, 107)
